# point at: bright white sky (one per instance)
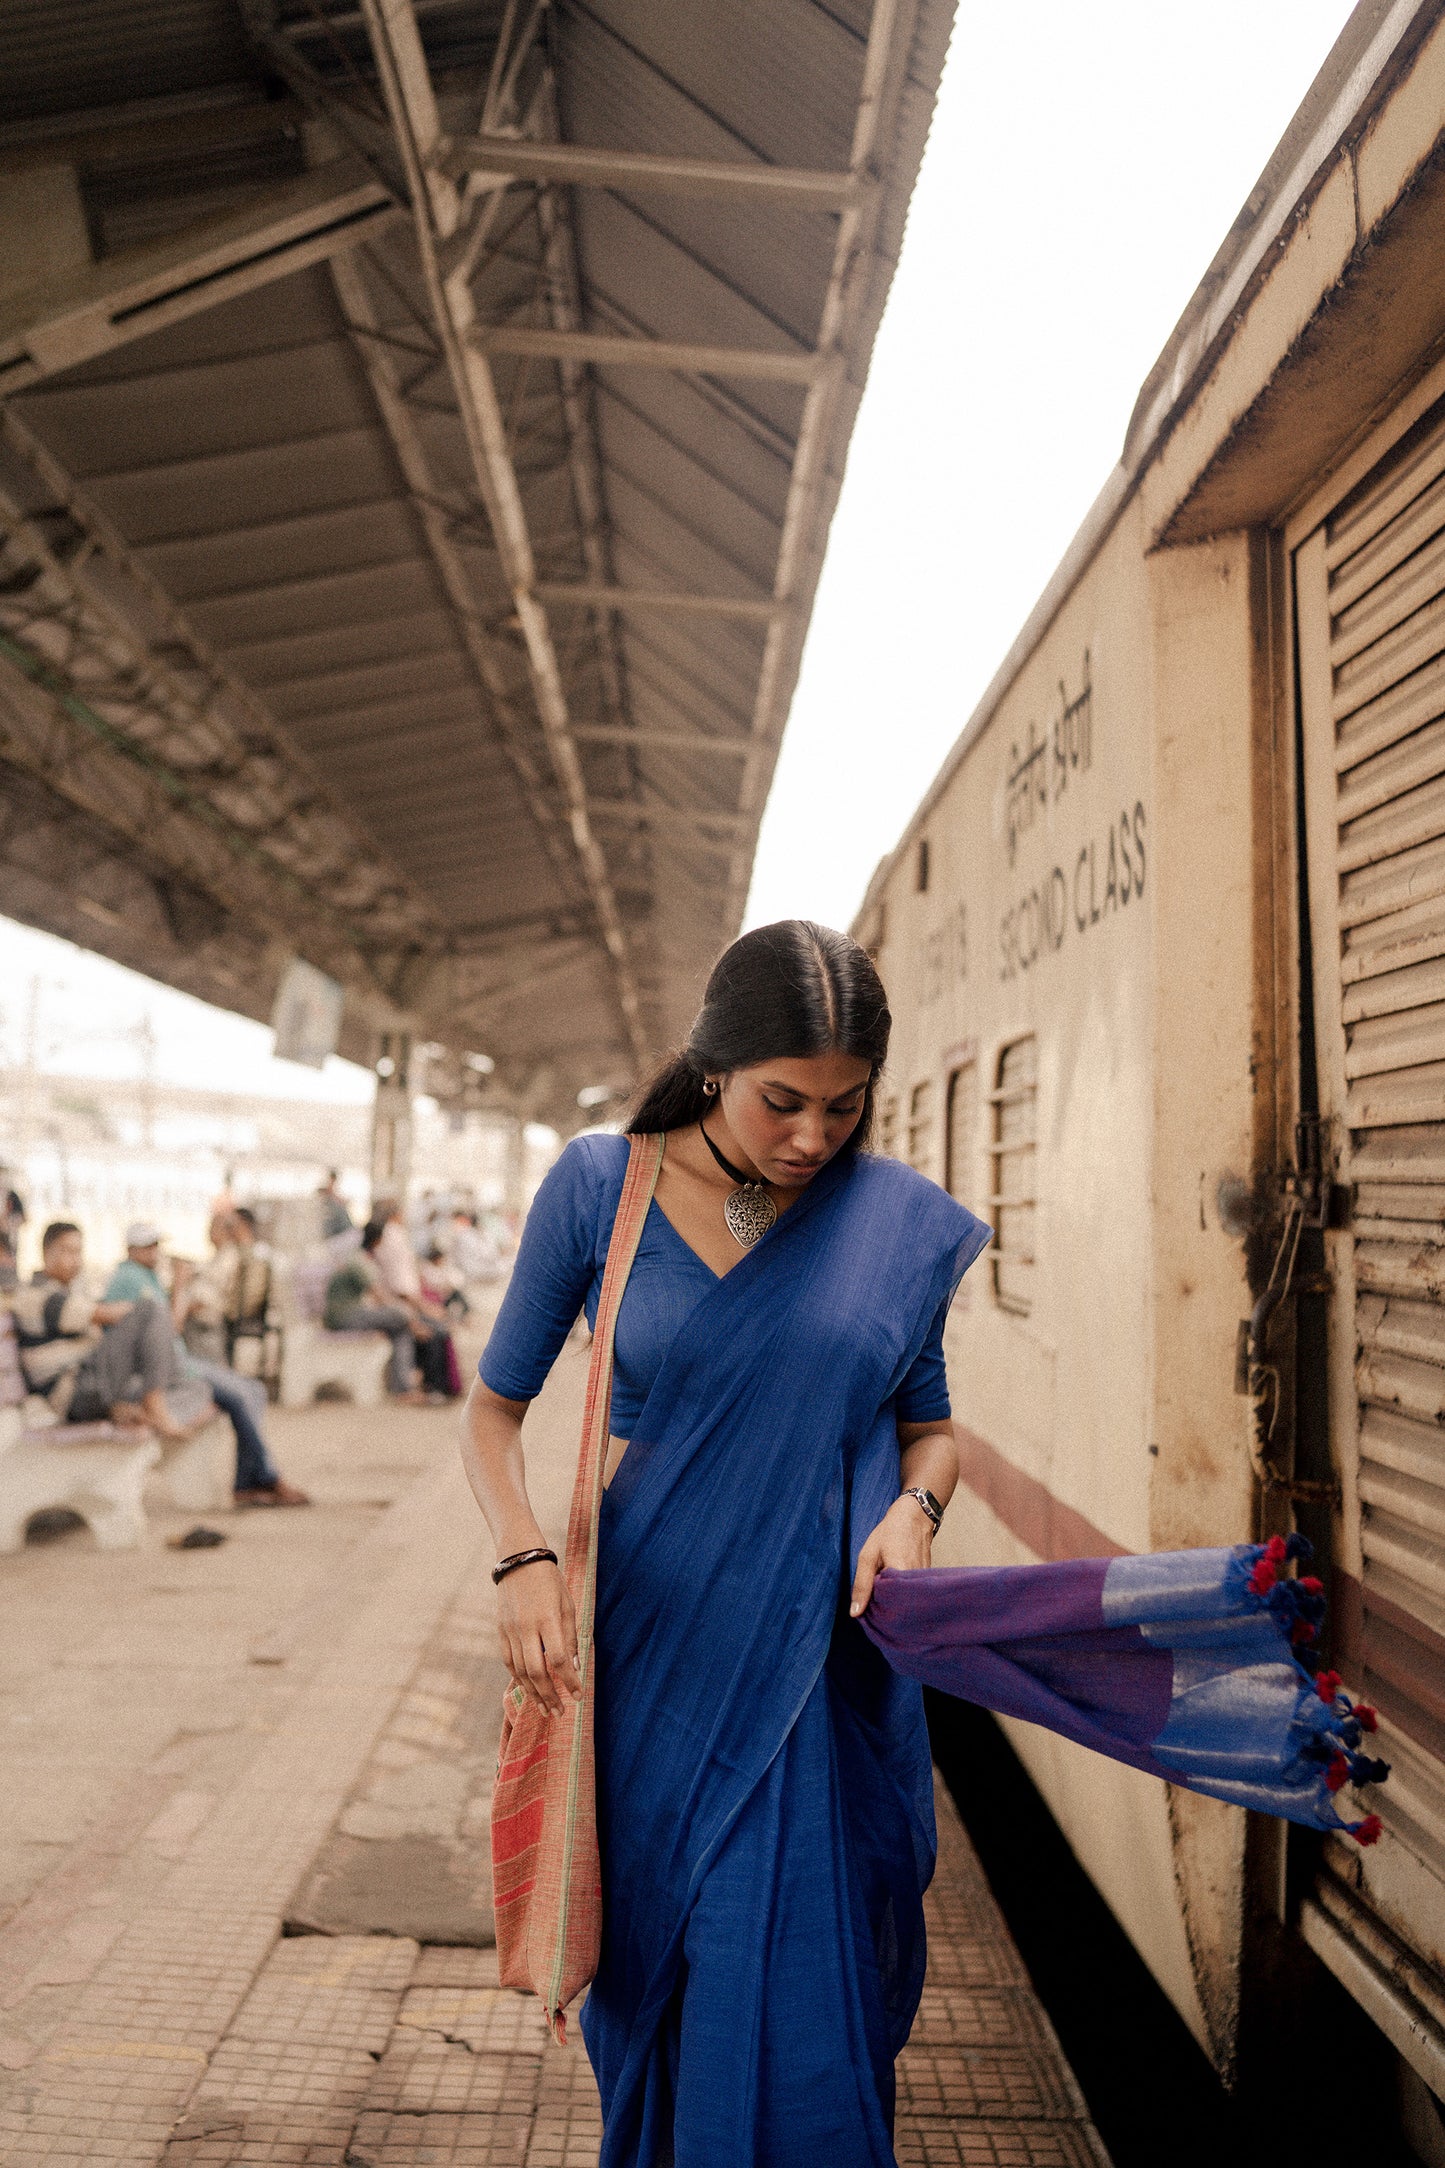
(1085, 163)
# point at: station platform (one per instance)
(243, 1903)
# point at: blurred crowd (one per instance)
(169, 1343)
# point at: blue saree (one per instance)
(764, 1785)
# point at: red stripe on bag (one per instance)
(511, 1772)
(516, 1831)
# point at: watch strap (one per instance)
(929, 1504)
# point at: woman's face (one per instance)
(788, 1118)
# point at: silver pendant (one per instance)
(749, 1212)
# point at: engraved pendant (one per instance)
(749, 1212)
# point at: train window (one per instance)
(922, 882)
(920, 1127)
(1013, 1149)
(962, 1138)
(960, 1145)
(888, 1125)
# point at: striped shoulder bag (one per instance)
(546, 1875)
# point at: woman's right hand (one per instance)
(538, 1629)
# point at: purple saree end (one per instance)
(1194, 1665)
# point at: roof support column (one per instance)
(437, 208)
(391, 1118)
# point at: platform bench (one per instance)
(97, 1462)
(97, 1470)
(311, 1354)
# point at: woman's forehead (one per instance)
(813, 1076)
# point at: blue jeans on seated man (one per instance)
(243, 1400)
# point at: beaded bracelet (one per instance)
(504, 1566)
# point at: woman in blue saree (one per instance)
(781, 1437)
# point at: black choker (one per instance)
(750, 1211)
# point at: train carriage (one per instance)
(1166, 947)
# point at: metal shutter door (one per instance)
(1370, 596)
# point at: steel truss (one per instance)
(450, 248)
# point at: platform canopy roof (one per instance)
(420, 422)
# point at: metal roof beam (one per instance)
(670, 741)
(166, 703)
(588, 595)
(605, 351)
(438, 208)
(59, 325)
(383, 367)
(729, 179)
(666, 816)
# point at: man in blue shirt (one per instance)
(241, 1399)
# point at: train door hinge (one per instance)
(1323, 1202)
(1312, 1199)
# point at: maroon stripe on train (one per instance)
(1052, 1530)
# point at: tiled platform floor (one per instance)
(369, 2052)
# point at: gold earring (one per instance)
(709, 1085)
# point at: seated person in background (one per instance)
(242, 1400)
(223, 1204)
(96, 1361)
(440, 1286)
(473, 1253)
(401, 1277)
(393, 1250)
(246, 1295)
(335, 1219)
(356, 1301)
(12, 1219)
(203, 1326)
(229, 1299)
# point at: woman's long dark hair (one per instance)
(780, 993)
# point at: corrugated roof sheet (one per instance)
(245, 460)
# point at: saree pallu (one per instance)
(764, 1786)
(1191, 1665)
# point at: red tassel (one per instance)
(1337, 1776)
(1276, 1550)
(1301, 1633)
(1327, 1685)
(1263, 1578)
(1367, 1831)
(1365, 1717)
(1311, 1584)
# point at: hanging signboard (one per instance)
(306, 1017)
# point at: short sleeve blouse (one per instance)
(558, 1272)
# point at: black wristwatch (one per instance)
(929, 1504)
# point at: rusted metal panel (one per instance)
(1393, 884)
(1397, 712)
(1403, 1097)
(1372, 643)
(1400, 768)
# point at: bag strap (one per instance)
(644, 1164)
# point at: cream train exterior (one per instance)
(1180, 885)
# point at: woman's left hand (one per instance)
(902, 1541)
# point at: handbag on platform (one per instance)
(546, 1873)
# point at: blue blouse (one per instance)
(558, 1272)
